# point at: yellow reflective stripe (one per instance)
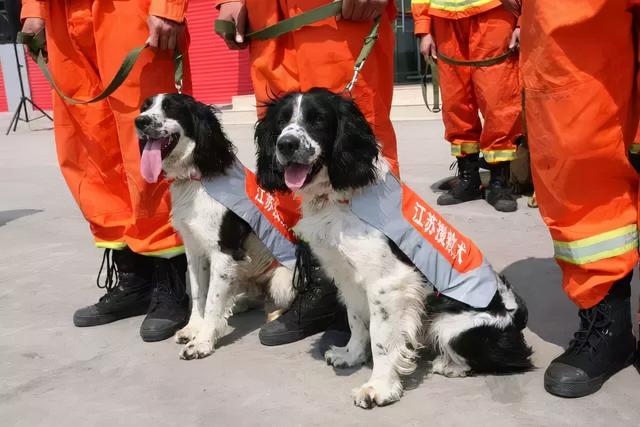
(171, 251)
(590, 241)
(604, 245)
(420, 1)
(600, 255)
(464, 147)
(634, 149)
(495, 156)
(111, 245)
(457, 5)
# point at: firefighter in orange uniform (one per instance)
(581, 121)
(470, 31)
(319, 55)
(99, 154)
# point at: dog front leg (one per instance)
(356, 352)
(217, 307)
(198, 267)
(391, 354)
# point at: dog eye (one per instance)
(282, 123)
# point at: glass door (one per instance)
(409, 64)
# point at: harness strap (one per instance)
(36, 44)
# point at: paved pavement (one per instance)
(52, 374)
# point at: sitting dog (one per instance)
(184, 139)
(319, 145)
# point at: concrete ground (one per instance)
(53, 374)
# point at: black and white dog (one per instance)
(319, 145)
(183, 138)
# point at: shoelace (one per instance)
(111, 277)
(169, 288)
(594, 323)
(302, 275)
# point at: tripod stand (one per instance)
(23, 100)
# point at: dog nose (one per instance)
(288, 144)
(143, 121)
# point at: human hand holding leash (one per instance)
(33, 25)
(428, 46)
(363, 10)
(515, 39)
(163, 33)
(236, 12)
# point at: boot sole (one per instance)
(457, 201)
(289, 337)
(103, 319)
(581, 389)
(161, 335)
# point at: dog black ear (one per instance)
(213, 153)
(268, 170)
(355, 150)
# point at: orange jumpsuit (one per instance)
(475, 30)
(97, 144)
(323, 55)
(578, 74)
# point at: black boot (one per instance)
(500, 194)
(338, 333)
(313, 309)
(169, 308)
(602, 346)
(467, 186)
(128, 286)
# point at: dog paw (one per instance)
(196, 350)
(377, 393)
(340, 357)
(449, 369)
(187, 334)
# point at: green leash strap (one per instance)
(435, 81)
(435, 76)
(37, 48)
(227, 29)
(479, 63)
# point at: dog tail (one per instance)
(492, 350)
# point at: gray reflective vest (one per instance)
(269, 216)
(448, 259)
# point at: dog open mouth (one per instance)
(154, 151)
(296, 175)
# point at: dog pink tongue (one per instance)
(151, 161)
(295, 175)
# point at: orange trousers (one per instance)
(578, 75)
(491, 91)
(97, 144)
(323, 55)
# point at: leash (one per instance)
(435, 75)
(227, 30)
(36, 44)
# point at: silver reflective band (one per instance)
(595, 248)
(230, 191)
(380, 205)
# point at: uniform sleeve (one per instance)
(421, 18)
(174, 10)
(33, 9)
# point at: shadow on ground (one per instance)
(12, 215)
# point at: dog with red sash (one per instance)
(237, 236)
(407, 277)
